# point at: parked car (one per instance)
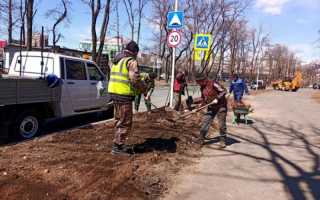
(260, 85)
(145, 69)
(28, 97)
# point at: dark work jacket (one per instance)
(211, 90)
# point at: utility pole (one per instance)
(258, 74)
(173, 64)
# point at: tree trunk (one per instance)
(118, 25)
(56, 39)
(141, 6)
(95, 10)
(10, 25)
(29, 24)
(103, 31)
(23, 6)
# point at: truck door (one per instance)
(97, 86)
(77, 85)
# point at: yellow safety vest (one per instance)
(119, 79)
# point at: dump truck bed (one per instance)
(25, 91)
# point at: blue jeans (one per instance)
(237, 97)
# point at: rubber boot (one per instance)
(121, 149)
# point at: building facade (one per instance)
(36, 40)
(111, 46)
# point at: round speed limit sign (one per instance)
(174, 39)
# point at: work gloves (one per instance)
(215, 101)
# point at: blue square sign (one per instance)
(175, 20)
(202, 41)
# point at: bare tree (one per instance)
(95, 10)
(59, 16)
(22, 15)
(8, 16)
(235, 47)
(103, 31)
(141, 6)
(118, 25)
(96, 6)
(29, 16)
(131, 15)
(282, 63)
(10, 20)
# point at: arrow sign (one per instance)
(175, 20)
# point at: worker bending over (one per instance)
(149, 79)
(214, 94)
(179, 87)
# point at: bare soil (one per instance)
(77, 164)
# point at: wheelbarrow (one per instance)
(241, 111)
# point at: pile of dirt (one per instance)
(77, 164)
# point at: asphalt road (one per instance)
(161, 97)
(276, 157)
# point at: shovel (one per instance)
(184, 116)
(163, 108)
(189, 100)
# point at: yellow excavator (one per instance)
(289, 84)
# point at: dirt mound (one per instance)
(77, 164)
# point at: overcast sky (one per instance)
(291, 22)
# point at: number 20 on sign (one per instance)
(174, 39)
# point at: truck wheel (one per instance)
(27, 125)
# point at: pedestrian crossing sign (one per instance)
(175, 20)
(202, 42)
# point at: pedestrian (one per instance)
(215, 94)
(178, 88)
(124, 81)
(238, 87)
(149, 79)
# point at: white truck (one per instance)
(26, 100)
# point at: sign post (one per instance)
(258, 74)
(202, 43)
(174, 21)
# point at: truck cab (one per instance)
(81, 88)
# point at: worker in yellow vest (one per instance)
(124, 82)
(149, 79)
